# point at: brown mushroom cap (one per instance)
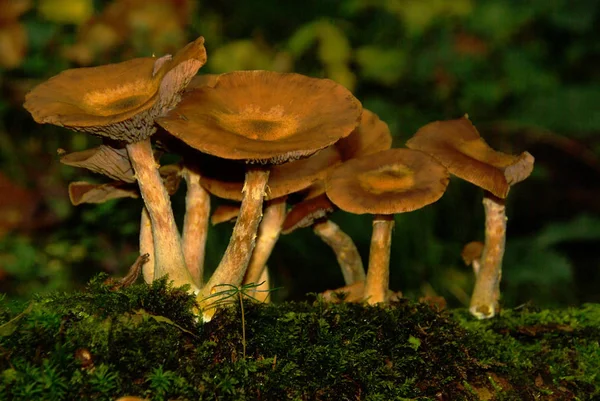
(264, 116)
(106, 160)
(202, 80)
(225, 179)
(224, 213)
(387, 182)
(84, 192)
(305, 213)
(458, 145)
(372, 135)
(100, 99)
(472, 252)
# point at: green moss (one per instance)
(143, 340)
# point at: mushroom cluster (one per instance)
(290, 149)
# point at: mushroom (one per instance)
(84, 192)
(224, 213)
(121, 101)
(225, 180)
(313, 212)
(372, 135)
(458, 146)
(383, 184)
(471, 255)
(116, 167)
(106, 160)
(259, 117)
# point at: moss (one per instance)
(143, 340)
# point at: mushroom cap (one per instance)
(224, 213)
(202, 80)
(372, 135)
(387, 182)
(458, 146)
(472, 251)
(305, 213)
(105, 160)
(85, 192)
(101, 99)
(225, 179)
(264, 116)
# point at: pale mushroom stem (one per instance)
(268, 234)
(235, 261)
(262, 293)
(195, 225)
(378, 275)
(147, 246)
(168, 255)
(345, 251)
(486, 294)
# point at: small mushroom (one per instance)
(313, 212)
(224, 213)
(383, 184)
(84, 192)
(121, 101)
(458, 146)
(259, 117)
(106, 160)
(115, 163)
(471, 255)
(372, 135)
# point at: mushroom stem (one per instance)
(147, 246)
(345, 251)
(195, 225)
(484, 302)
(378, 275)
(268, 234)
(168, 255)
(235, 261)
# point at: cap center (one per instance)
(262, 125)
(119, 99)
(390, 178)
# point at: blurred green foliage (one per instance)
(526, 72)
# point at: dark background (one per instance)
(526, 72)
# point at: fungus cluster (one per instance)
(287, 148)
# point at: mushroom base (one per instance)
(378, 275)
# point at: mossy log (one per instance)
(143, 341)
